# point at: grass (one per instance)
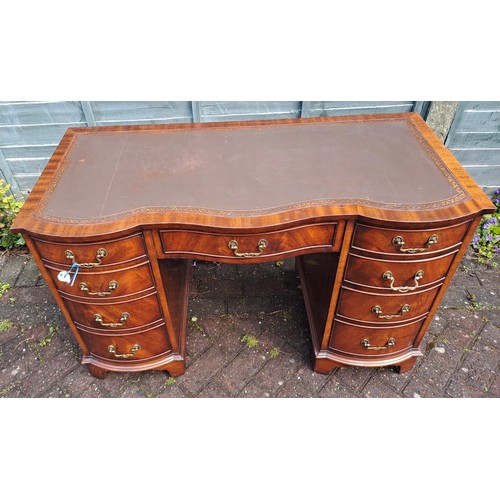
(274, 352)
(53, 331)
(250, 341)
(6, 325)
(3, 288)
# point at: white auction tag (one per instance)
(64, 276)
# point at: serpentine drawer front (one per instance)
(128, 349)
(117, 315)
(384, 308)
(92, 255)
(374, 260)
(374, 342)
(126, 280)
(393, 275)
(408, 243)
(261, 247)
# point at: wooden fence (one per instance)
(30, 131)
(474, 139)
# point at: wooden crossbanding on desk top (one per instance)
(388, 167)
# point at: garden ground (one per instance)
(248, 338)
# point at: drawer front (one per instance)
(397, 276)
(316, 237)
(116, 316)
(106, 284)
(123, 348)
(388, 308)
(93, 255)
(407, 242)
(362, 341)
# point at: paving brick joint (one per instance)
(248, 337)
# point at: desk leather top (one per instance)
(247, 169)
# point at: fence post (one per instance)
(440, 117)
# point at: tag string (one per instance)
(77, 267)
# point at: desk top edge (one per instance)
(473, 202)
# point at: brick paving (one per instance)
(40, 359)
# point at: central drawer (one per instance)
(237, 246)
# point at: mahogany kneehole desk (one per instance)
(375, 210)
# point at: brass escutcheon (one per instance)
(398, 241)
(113, 285)
(124, 317)
(135, 348)
(388, 276)
(366, 343)
(378, 311)
(100, 254)
(233, 245)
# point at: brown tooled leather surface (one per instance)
(255, 168)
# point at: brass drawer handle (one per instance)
(378, 311)
(124, 317)
(366, 343)
(113, 285)
(233, 245)
(388, 276)
(399, 242)
(135, 348)
(101, 253)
